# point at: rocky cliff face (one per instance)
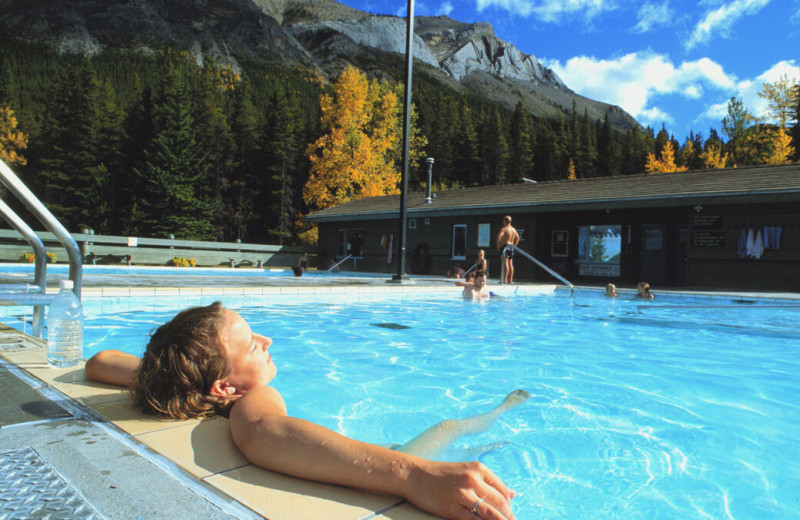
(322, 34)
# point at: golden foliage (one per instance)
(358, 155)
(781, 148)
(11, 139)
(666, 163)
(571, 171)
(713, 158)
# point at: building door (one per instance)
(653, 257)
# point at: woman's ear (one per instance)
(221, 388)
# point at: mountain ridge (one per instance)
(319, 34)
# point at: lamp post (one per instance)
(401, 244)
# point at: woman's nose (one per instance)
(265, 341)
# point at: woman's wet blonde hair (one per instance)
(184, 358)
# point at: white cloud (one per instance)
(747, 90)
(549, 10)
(721, 19)
(521, 7)
(635, 81)
(446, 8)
(652, 16)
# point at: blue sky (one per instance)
(670, 62)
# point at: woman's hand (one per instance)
(452, 490)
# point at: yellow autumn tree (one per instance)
(781, 148)
(358, 155)
(713, 158)
(11, 139)
(571, 171)
(666, 162)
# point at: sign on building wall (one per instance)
(607, 270)
(707, 231)
(484, 235)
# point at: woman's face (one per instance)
(247, 354)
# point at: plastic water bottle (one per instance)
(65, 328)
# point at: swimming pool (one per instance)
(683, 408)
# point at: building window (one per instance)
(412, 223)
(350, 242)
(559, 243)
(599, 250)
(460, 242)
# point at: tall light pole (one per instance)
(402, 234)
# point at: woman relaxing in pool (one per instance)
(206, 361)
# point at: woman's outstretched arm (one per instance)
(112, 366)
(270, 439)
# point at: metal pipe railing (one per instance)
(40, 267)
(340, 262)
(535, 261)
(34, 205)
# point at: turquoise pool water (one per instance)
(685, 408)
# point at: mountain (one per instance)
(320, 34)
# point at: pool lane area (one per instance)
(104, 459)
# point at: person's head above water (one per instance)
(199, 362)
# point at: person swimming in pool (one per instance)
(207, 361)
(476, 288)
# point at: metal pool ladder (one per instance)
(535, 261)
(25, 293)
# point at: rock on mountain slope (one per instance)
(323, 34)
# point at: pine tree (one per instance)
(521, 146)
(496, 151)
(174, 167)
(735, 125)
(73, 178)
(609, 157)
(283, 146)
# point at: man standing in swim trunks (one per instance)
(508, 235)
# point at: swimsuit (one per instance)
(509, 252)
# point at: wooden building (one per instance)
(736, 228)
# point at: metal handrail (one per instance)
(40, 268)
(35, 206)
(535, 261)
(340, 262)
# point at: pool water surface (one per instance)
(666, 409)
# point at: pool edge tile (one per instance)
(274, 495)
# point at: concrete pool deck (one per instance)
(110, 461)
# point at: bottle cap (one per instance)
(66, 284)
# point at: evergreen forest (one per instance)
(156, 145)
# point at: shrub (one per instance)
(179, 261)
(30, 257)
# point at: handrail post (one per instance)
(18, 188)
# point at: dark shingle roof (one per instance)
(668, 189)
